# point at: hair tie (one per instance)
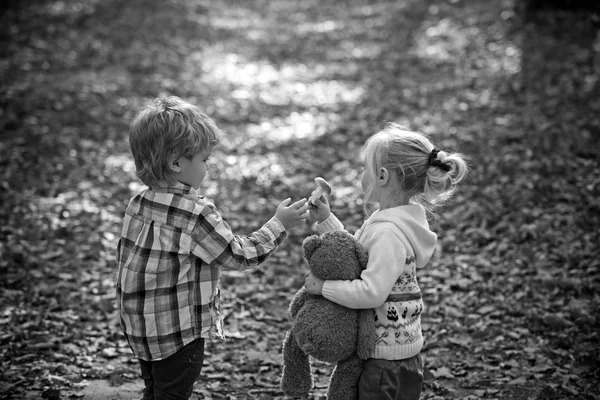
(434, 162)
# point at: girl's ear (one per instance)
(383, 176)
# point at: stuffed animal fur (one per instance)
(325, 330)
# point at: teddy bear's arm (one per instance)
(366, 333)
(298, 301)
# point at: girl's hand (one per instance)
(320, 211)
(313, 284)
(292, 215)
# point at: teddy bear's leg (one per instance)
(366, 333)
(343, 384)
(296, 378)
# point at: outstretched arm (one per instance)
(214, 242)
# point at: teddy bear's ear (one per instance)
(361, 254)
(310, 244)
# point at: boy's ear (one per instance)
(174, 165)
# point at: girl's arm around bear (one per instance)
(387, 258)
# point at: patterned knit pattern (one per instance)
(398, 320)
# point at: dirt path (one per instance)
(101, 390)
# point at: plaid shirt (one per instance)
(170, 254)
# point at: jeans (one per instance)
(174, 377)
(391, 379)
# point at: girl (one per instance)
(404, 175)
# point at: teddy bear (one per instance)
(325, 330)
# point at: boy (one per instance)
(173, 245)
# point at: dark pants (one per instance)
(391, 380)
(174, 377)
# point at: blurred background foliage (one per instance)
(298, 86)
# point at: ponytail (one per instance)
(444, 173)
(429, 175)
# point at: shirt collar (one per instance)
(173, 187)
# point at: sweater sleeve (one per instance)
(387, 257)
(332, 223)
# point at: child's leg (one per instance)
(391, 380)
(174, 377)
(146, 367)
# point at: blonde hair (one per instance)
(429, 176)
(166, 129)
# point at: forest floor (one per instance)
(512, 300)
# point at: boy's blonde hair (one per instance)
(166, 129)
(428, 176)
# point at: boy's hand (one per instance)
(320, 211)
(313, 284)
(292, 215)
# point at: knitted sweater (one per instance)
(398, 241)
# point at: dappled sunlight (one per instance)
(277, 85)
(448, 40)
(124, 164)
(466, 58)
(320, 26)
(295, 126)
(443, 41)
(311, 91)
(278, 105)
(508, 60)
(263, 168)
(233, 69)
(238, 18)
(66, 8)
(259, 82)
